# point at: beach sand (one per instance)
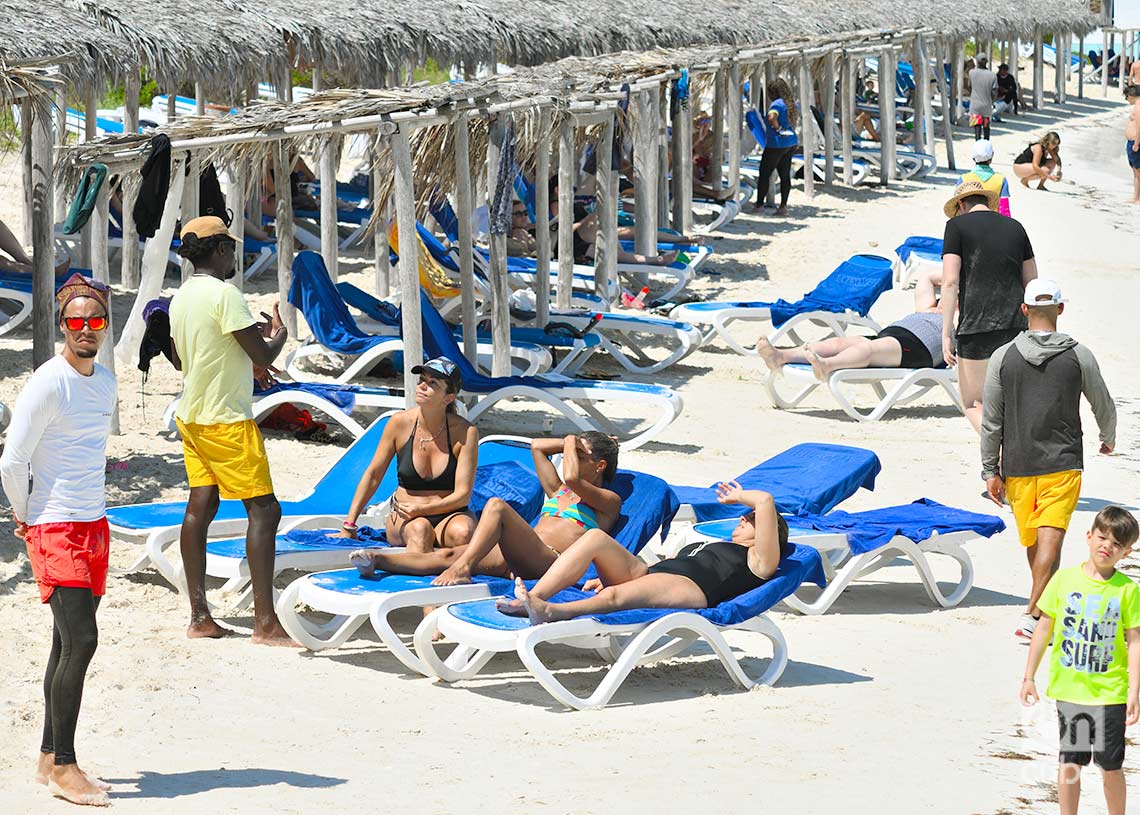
(887, 705)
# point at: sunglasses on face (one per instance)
(77, 323)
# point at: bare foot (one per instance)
(46, 763)
(818, 367)
(769, 354)
(781, 212)
(206, 629)
(453, 575)
(67, 781)
(1133, 201)
(362, 560)
(272, 634)
(514, 608)
(537, 609)
(1042, 186)
(1025, 182)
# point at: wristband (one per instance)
(348, 527)
(1028, 679)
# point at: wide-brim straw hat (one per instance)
(965, 190)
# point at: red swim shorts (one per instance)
(70, 554)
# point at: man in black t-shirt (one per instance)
(986, 261)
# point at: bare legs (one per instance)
(837, 353)
(971, 380)
(1135, 187)
(1028, 173)
(1044, 557)
(260, 542)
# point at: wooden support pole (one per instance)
(645, 174)
(463, 203)
(1038, 70)
(282, 161)
(1081, 68)
(847, 117)
(381, 264)
(605, 255)
(662, 140)
(171, 104)
(735, 121)
(43, 234)
(131, 268)
(90, 113)
(567, 164)
(829, 119)
(26, 173)
(1058, 69)
(716, 157)
(542, 216)
(888, 132)
(330, 237)
(199, 99)
(921, 67)
(60, 117)
(411, 317)
(807, 139)
(190, 201)
(1126, 42)
(500, 291)
(101, 270)
(947, 106)
(1105, 47)
(682, 116)
(957, 77)
(237, 227)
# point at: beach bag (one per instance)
(85, 196)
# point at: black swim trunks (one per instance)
(915, 354)
(983, 344)
(1091, 733)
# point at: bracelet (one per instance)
(1028, 679)
(348, 527)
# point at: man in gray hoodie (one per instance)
(1031, 432)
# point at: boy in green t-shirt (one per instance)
(1094, 673)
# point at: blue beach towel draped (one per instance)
(806, 478)
(325, 313)
(919, 243)
(343, 396)
(855, 284)
(802, 566)
(867, 531)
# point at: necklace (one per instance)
(425, 440)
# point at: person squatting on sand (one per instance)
(1040, 160)
(216, 343)
(701, 575)
(504, 542)
(986, 262)
(1031, 432)
(1094, 673)
(426, 510)
(915, 341)
(58, 439)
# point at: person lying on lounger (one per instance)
(915, 341)
(702, 575)
(437, 452)
(504, 543)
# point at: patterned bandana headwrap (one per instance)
(79, 286)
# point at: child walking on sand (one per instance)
(1094, 672)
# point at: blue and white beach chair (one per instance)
(840, 302)
(915, 255)
(576, 399)
(648, 506)
(16, 296)
(626, 639)
(856, 544)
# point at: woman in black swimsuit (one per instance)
(1040, 161)
(436, 451)
(702, 575)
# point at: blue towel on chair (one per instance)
(343, 396)
(867, 531)
(806, 478)
(802, 566)
(919, 243)
(325, 313)
(856, 284)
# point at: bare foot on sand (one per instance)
(770, 355)
(206, 628)
(362, 560)
(1042, 186)
(817, 364)
(1025, 182)
(271, 633)
(46, 763)
(67, 781)
(453, 575)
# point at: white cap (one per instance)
(983, 151)
(1041, 292)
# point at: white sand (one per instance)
(888, 705)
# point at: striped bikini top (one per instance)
(577, 512)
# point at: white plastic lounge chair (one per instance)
(840, 302)
(648, 507)
(626, 639)
(855, 545)
(906, 385)
(916, 255)
(15, 305)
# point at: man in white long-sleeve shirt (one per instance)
(57, 442)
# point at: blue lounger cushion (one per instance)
(343, 396)
(327, 316)
(802, 566)
(920, 245)
(806, 478)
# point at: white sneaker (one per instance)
(1026, 628)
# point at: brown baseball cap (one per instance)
(206, 226)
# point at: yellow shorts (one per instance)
(1042, 500)
(229, 456)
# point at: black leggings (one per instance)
(981, 132)
(780, 160)
(73, 642)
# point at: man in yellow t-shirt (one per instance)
(216, 344)
(1092, 673)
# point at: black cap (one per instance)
(442, 368)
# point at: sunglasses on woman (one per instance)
(77, 323)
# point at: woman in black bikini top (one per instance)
(1040, 161)
(435, 467)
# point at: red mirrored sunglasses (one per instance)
(77, 323)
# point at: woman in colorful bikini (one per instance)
(436, 452)
(504, 543)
